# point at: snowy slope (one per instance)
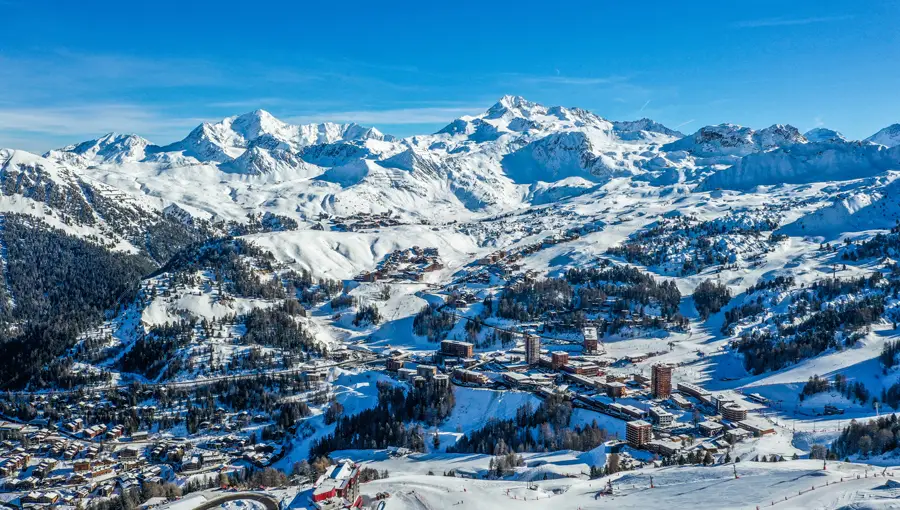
(806, 163)
(818, 135)
(61, 196)
(889, 136)
(110, 148)
(792, 484)
(227, 139)
(731, 140)
(646, 129)
(864, 208)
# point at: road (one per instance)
(216, 499)
(269, 502)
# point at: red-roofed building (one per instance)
(338, 488)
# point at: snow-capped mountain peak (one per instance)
(889, 136)
(517, 116)
(255, 124)
(481, 162)
(820, 135)
(643, 129)
(777, 135)
(226, 140)
(109, 148)
(732, 140)
(514, 106)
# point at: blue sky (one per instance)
(71, 71)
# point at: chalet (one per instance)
(10, 430)
(140, 436)
(101, 469)
(74, 426)
(96, 430)
(45, 467)
(27, 483)
(80, 479)
(41, 498)
(105, 490)
(129, 452)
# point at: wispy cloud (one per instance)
(64, 74)
(64, 96)
(59, 97)
(559, 79)
(786, 22)
(64, 123)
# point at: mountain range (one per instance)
(514, 154)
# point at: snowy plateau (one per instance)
(289, 292)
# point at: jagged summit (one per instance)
(735, 140)
(227, 139)
(514, 105)
(516, 116)
(634, 128)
